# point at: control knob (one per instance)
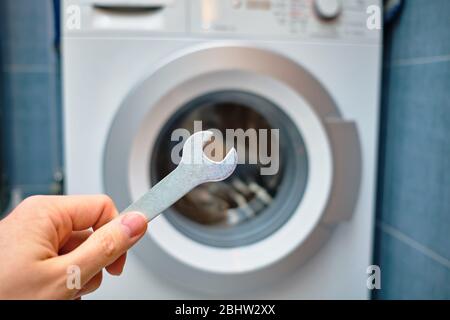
(328, 9)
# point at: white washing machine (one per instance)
(136, 70)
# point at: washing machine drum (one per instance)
(270, 209)
(253, 203)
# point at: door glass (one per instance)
(251, 204)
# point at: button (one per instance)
(328, 9)
(236, 4)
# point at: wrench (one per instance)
(194, 169)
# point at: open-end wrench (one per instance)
(194, 169)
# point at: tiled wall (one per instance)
(413, 230)
(31, 95)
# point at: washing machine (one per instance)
(136, 71)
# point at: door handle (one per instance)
(131, 7)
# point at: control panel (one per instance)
(340, 19)
(265, 19)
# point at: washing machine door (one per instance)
(266, 218)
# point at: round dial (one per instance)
(328, 9)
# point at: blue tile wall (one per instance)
(410, 270)
(31, 100)
(421, 32)
(412, 238)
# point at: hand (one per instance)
(48, 238)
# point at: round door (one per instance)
(251, 226)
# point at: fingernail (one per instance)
(135, 223)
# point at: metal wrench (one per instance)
(194, 169)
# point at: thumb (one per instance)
(107, 244)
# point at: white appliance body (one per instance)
(127, 73)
